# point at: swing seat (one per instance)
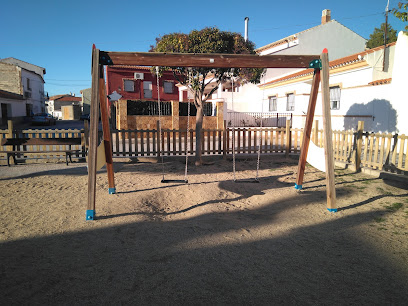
(175, 181)
(247, 181)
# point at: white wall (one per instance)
(37, 90)
(399, 83)
(17, 107)
(247, 99)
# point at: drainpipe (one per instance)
(246, 28)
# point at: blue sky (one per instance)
(58, 35)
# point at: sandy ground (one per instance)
(211, 241)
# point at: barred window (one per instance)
(335, 97)
(168, 87)
(290, 103)
(273, 107)
(129, 85)
(147, 90)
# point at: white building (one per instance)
(330, 34)
(25, 82)
(55, 104)
(362, 88)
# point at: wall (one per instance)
(86, 100)
(10, 78)
(375, 60)
(399, 87)
(37, 90)
(17, 110)
(339, 40)
(71, 112)
(247, 99)
(123, 121)
(115, 76)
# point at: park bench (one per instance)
(41, 146)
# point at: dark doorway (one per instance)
(4, 113)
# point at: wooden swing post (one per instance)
(328, 134)
(308, 128)
(106, 132)
(93, 135)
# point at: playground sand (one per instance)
(211, 241)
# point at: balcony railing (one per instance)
(255, 119)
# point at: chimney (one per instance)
(326, 16)
(246, 28)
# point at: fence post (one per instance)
(158, 140)
(224, 140)
(85, 142)
(359, 142)
(316, 132)
(9, 129)
(288, 138)
(175, 110)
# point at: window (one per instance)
(290, 102)
(335, 97)
(273, 107)
(168, 87)
(28, 84)
(129, 85)
(147, 89)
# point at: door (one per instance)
(4, 113)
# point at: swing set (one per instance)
(98, 98)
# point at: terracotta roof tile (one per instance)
(348, 60)
(71, 98)
(380, 82)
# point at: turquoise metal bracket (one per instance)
(316, 64)
(90, 214)
(112, 190)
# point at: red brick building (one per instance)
(138, 83)
(136, 108)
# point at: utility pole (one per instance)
(385, 33)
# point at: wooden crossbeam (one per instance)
(206, 60)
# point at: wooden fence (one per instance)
(378, 151)
(46, 151)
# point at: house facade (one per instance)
(363, 87)
(138, 91)
(86, 100)
(24, 82)
(56, 103)
(138, 83)
(338, 39)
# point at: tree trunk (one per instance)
(199, 128)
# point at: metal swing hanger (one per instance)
(164, 180)
(255, 179)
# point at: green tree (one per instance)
(196, 79)
(377, 37)
(400, 14)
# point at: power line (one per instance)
(68, 80)
(73, 85)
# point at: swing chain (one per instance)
(260, 136)
(160, 127)
(233, 124)
(188, 128)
